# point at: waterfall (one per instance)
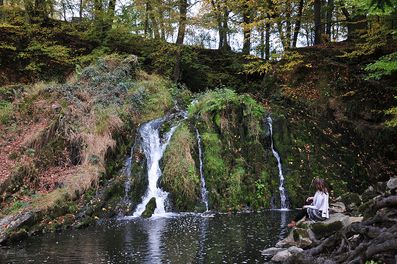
(153, 148)
(204, 192)
(280, 169)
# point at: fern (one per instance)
(385, 66)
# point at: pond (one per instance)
(182, 238)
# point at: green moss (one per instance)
(215, 168)
(180, 176)
(220, 99)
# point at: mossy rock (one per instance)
(328, 227)
(150, 207)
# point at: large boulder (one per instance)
(328, 227)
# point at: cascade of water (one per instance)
(204, 192)
(283, 197)
(153, 148)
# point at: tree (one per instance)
(298, 23)
(318, 27)
(183, 5)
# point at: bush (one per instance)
(6, 112)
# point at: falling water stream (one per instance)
(153, 148)
(204, 192)
(283, 198)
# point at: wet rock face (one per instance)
(150, 207)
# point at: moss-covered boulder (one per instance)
(333, 224)
(149, 209)
(180, 174)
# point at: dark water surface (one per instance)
(180, 239)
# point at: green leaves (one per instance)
(385, 66)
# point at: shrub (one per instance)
(6, 112)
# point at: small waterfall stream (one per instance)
(153, 148)
(204, 192)
(283, 198)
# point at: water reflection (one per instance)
(283, 224)
(180, 239)
(155, 229)
(202, 239)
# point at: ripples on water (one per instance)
(181, 239)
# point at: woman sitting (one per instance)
(318, 209)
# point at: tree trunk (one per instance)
(288, 26)
(282, 35)
(330, 10)
(182, 21)
(262, 41)
(225, 28)
(298, 24)
(267, 41)
(1, 12)
(317, 22)
(81, 9)
(146, 23)
(217, 9)
(247, 32)
(162, 26)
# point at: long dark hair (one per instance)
(320, 185)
